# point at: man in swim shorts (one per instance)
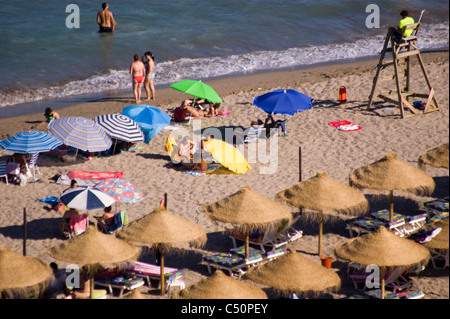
(137, 70)
(105, 19)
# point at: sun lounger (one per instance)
(272, 239)
(363, 225)
(376, 293)
(412, 223)
(149, 271)
(3, 174)
(120, 283)
(234, 264)
(266, 255)
(437, 209)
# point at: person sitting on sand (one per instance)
(50, 115)
(186, 149)
(84, 291)
(65, 220)
(106, 220)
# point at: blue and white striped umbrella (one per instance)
(86, 198)
(30, 142)
(120, 127)
(80, 133)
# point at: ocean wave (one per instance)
(167, 72)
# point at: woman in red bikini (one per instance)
(137, 70)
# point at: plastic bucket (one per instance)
(342, 95)
(326, 261)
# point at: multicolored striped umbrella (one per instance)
(120, 189)
(120, 127)
(80, 133)
(30, 142)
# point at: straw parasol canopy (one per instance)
(162, 230)
(94, 250)
(94, 247)
(390, 173)
(384, 249)
(221, 286)
(441, 240)
(436, 157)
(19, 272)
(248, 210)
(294, 273)
(324, 194)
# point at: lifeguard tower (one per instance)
(402, 51)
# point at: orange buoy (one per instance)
(342, 95)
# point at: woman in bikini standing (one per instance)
(150, 75)
(137, 70)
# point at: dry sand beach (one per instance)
(324, 148)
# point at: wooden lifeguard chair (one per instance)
(402, 52)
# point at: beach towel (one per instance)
(94, 175)
(78, 223)
(345, 126)
(49, 200)
(224, 112)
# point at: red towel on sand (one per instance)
(94, 175)
(345, 126)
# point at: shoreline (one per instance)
(168, 98)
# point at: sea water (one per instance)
(44, 61)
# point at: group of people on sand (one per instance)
(143, 73)
(196, 108)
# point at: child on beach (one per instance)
(149, 85)
(50, 115)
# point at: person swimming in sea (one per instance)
(137, 70)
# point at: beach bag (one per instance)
(179, 114)
(13, 168)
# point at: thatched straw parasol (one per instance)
(441, 240)
(93, 248)
(324, 194)
(18, 272)
(384, 249)
(436, 157)
(162, 230)
(294, 273)
(220, 286)
(391, 173)
(249, 211)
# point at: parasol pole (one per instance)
(320, 232)
(24, 231)
(383, 283)
(391, 205)
(299, 163)
(161, 269)
(91, 288)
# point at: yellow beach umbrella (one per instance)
(227, 155)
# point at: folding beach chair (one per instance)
(3, 174)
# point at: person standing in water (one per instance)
(105, 19)
(149, 75)
(137, 70)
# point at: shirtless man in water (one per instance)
(105, 19)
(137, 70)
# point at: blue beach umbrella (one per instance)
(30, 142)
(86, 198)
(80, 133)
(150, 119)
(283, 102)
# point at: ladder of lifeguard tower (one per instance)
(400, 58)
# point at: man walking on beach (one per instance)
(105, 19)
